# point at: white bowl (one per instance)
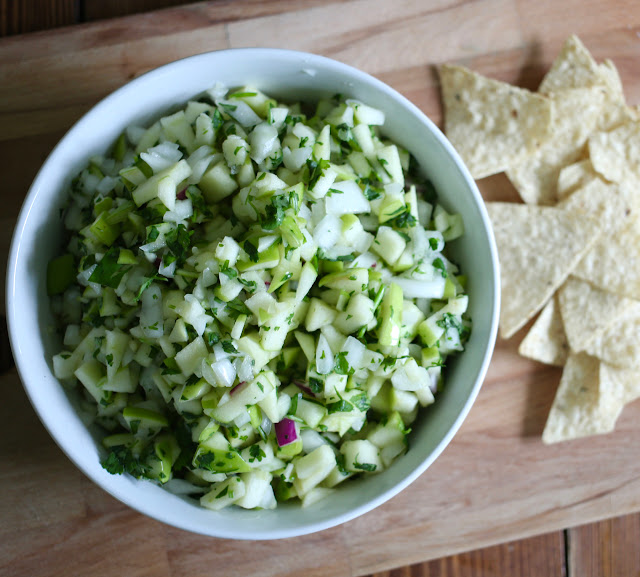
(289, 76)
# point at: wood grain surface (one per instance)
(496, 482)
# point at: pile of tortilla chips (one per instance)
(571, 251)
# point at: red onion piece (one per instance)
(286, 432)
(182, 195)
(236, 388)
(304, 387)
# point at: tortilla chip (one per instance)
(576, 114)
(588, 401)
(627, 381)
(622, 386)
(538, 248)
(619, 344)
(491, 124)
(613, 264)
(610, 205)
(587, 311)
(616, 154)
(574, 67)
(574, 176)
(611, 77)
(546, 341)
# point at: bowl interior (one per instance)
(288, 76)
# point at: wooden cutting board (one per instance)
(496, 481)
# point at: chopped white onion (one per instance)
(324, 356)
(106, 185)
(162, 156)
(218, 92)
(224, 372)
(241, 112)
(412, 288)
(219, 353)
(244, 368)
(199, 161)
(168, 271)
(434, 374)
(182, 210)
(89, 182)
(295, 159)
(264, 141)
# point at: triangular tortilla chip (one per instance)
(576, 112)
(619, 344)
(587, 312)
(588, 401)
(613, 264)
(490, 123)
(574, 67)
(611, 205)
(546, 341)
(616, 154)
(538, 248)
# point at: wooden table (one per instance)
(496, 482)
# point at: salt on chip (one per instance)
(619, 344)
(546, 341)
(616, 154)
(574, 176)
(576, 113)
(588, 401)
(587, 311)
(613, 263)
(491, 123)
(538, 248)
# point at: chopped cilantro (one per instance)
(256, 453)
(361, 402)
(108, 272)
(179, 242)
(121, 460)
(438, 264)
(369, 467)
(227, 270)
(340, 406)
(251, 250)
(227, 347)
(316, 170)
(315, 385)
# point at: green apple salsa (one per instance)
(254, 298)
